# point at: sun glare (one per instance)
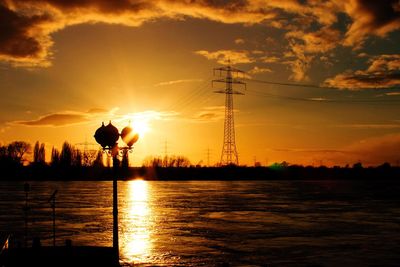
(141, 126)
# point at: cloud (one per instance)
(20, 42)
(270, 59)
(224, 56)
(239, 41)
(371, 151)
(210, 114)
(257, 70)
(27, 25)
(148, 115)
(304, 45)
(59, 119)
(376, 150)
(371, 126)
(298, 61)
(178, 82)
(65, 118)
(370, 18)
(321, 41)
(383, 72)
(97, 110)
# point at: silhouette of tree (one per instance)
(55, 157)
(16, 151)
(77, 158)
(167, 161)
(36, 152)
(66, 155)
(357, 165)
(42, 153)
(182, 161)
(98, 162)
(39, 153)
(152, 161)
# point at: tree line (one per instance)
(16, 154)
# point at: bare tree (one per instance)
(16, 151)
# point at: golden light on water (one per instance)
(136, 243)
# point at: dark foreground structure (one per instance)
(58, 256)
(278, 172)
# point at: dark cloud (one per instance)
(55, 120)
(16, 38)
(371, 17)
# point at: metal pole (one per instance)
(54, 221)
(115, 208)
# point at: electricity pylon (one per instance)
(229, 154)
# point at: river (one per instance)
(218, 223)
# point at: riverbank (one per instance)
(294, 172)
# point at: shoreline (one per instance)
(229, 173)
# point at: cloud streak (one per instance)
(65, 118)
(178, 82)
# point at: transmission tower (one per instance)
(229, 153)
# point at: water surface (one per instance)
(216, 223)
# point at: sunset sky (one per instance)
(66, 66)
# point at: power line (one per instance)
(314, 99)
(287, 84)
(321, 100)
(299, 84)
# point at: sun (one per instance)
(140, 125)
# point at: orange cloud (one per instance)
(299, 62)
(303, 46)
(257, 70)
(383, 72)
(320, 41)
(27, 25)
(225, 56)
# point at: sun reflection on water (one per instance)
(136, 242)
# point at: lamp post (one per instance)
(107, 137)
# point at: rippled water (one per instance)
(252, 223)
